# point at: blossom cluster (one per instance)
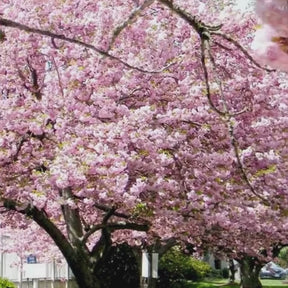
(271, 39)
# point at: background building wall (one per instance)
(35, 275)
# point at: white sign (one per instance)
(145, 265)
(150, 265)
(155, 259)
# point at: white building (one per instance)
(219, 264)
(30, 273)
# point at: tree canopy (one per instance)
(143, 120)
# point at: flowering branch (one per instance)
(12, 24)
(241, 48)
(130, 19)
(241, 166)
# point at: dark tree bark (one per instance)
(250, 268)
(83, 262)
(232, 270)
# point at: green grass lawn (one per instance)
(273, 283)
(212, 284)
(221, 283)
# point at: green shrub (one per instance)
(215, 273)
(5, 283)
(180, 284)
(175, 266)
(219, 273)
(201, 268)
(283, 257)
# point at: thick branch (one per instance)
(73, 255)
(166, 246)
(105, 241)
(107, 209)
(22, 27)
(198, 26)
(204, 34)
(50, 228)
(129, 226)
(113, 226)
(71, 217)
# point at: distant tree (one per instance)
(283, 257)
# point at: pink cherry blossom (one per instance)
(142, 122)
(274, 13)
(270, 48)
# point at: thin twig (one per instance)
(206, 47)
(59, 77)
(239, 46)
(130, 19)
(206, 78)
(240, 164)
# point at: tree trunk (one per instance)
(233, 270)
(152, 283)
(250, 269)
(88, 281)
(84, 263)
(161, 249)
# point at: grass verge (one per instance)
(223, 283)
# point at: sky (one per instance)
(243, 4)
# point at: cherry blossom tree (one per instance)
(260, 239)
(138, 121)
